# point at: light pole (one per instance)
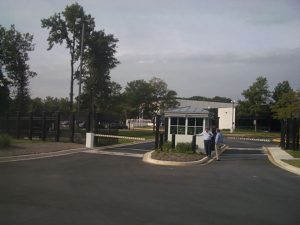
(80, 66)
(232, 121)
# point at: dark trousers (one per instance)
(207, 147)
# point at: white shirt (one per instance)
(206, 135)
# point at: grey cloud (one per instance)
(224, 74)
(274, 56)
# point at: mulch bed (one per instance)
(177, 157)
(36, 148)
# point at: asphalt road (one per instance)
(93, 189)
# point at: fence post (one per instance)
(297, 121)
(88, 124)
(57, 126)
(282, 134)
(18, 125)
(293, 133)
(72, 126)
(194, 143)
(166, 129)
(287, 135)
(157, 131)
(161, 141)
(44, 126)
(173, 141)
(30, 125)
(7, 123)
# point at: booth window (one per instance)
(195, 126)
(177, 125)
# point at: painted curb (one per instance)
(281, 164)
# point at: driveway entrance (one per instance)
(94, 189)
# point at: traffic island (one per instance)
(179, 159)
(148, 159)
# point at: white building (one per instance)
(192, 117)
(225, 111)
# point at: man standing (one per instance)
(207, 135)
(218, 142)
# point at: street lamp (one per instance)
(232, 121)
(78, 20)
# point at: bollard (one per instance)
(89, 143)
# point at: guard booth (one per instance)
(185, 122)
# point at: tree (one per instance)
(49, 104)
(14, 56)
(214, 99)
(138, 98)
(4, 93)
(287, 106)
(257, 99)
(280, 89)
(162, 98)
(37, 106)
(100, 59)
(147, 98)
(65, 27)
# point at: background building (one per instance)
(224, 113)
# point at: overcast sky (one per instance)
(198, 47)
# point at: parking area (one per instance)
(108, 189)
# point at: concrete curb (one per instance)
(121, 145)
(281, 164)
(252, 139)
(58, 153)
(41, 155)
(147, 158)
(204, 161)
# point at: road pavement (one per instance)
(90, 188)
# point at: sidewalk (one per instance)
(4, 159)
(276, 155)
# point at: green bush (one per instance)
(167, 147)
(184, 147)
(5, 140)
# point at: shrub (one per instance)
(184, 147)
(167, 147)
(5, 140)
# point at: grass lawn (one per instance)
(147, 134)
(252, 134)
(295, 162)
(295, 154)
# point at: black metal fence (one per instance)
(262, 124)
(290, 134)
(56, 126)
